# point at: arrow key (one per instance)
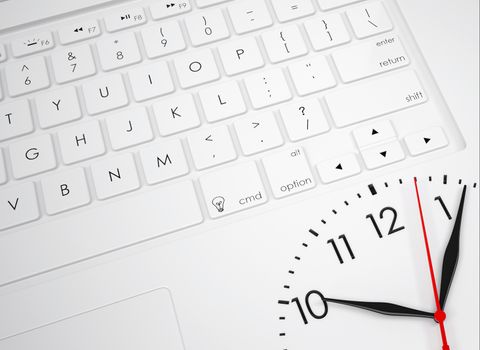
(338, 168)
(426, 141)
(382, 155)
(374, 133)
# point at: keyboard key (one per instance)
(26, 76)
(258, 133)
(163, 39)
(327, 31)
(288, 10)
(211, 147)
(18, 205)
(160, 210)
(375, 97)
(3, 170)
(426, 141)
(226, 192)
(32, 43)
(65, 191)
(241, 56)
(73, 63)
(129, 17)
(150, 81)
(163, 8)
(104, 94)
(206, 3)
(72, 33)
(81, 141)
(163, 160)
(303, 119)
(114, 176)
(374, 133)
(32, 156)
(369, 19)
(267, 88)
(311, 75)
(288, 172)
(128, 128)
(370, 58)
(176, 114)
(222, 101)
(118, 51)
(15, 119)
(249, 15)
(3, 53)
(196, 68)
(57, 107)
(330, 4)
(382, 155)
(206, 27)
(338, 168)
(284, 43)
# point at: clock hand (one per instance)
(439, 314)
(383, 308)
(450, 259)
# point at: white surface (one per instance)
(382, 155)
(369, 19)
(311, 75)
(240, 55)
(242, 247)
(146, 327)
(426, 141)
(373, 133)
(118, 51)
(284, 44)
(249, 15)
(81, 141)
(73, 63)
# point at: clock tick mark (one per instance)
(334, 211)
(305, 244)
(346, 203)
(323, 222)
(459, 181)
(359, 195)
(297, 258)
(313, 232)
(283, 302)
(386, 184)
(430, 178)
(291, 272)
(400, 181)
(474, 185)
(281, 318)
(286, 286)
(372, 189)
(444, 179)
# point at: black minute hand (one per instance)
(383, 308)
(450, 258)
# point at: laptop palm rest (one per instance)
(146, 321)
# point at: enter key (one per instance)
(288, 172)
(373, 57)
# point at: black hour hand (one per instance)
(383, 308)
(452, 252)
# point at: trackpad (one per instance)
(146, 322)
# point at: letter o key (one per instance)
(195, 66)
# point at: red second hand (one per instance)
(439, 314)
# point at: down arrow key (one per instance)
(382, 155)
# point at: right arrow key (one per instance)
(426, 141)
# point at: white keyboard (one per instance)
(202, 108)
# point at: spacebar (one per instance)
(108, 226)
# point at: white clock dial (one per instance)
(361, 279)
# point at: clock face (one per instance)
(369, 275)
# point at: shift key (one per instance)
(375, 97)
